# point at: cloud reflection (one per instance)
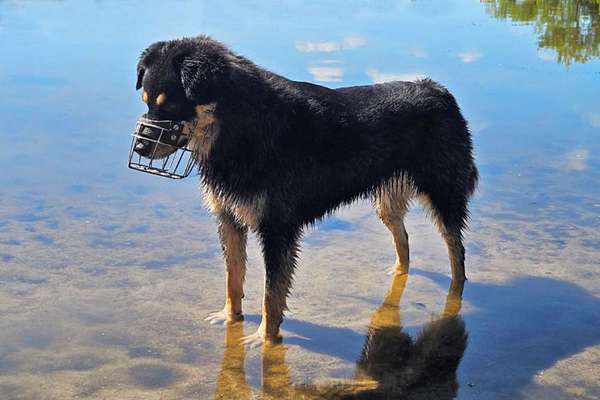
(326, 73)
(469, 57)
(595, 120)
(353, 42)
(382, 77)
(576, 160)
(418, 53)
(348, 43)
(311, 47)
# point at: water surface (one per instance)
(106, 274)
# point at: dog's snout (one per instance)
(150, 133)
(140, 144)
(157, 139)
(143, 147)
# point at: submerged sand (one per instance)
(105, 299)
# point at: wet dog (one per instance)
(276, 155)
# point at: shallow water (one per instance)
(107, 274)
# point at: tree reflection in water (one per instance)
(392, 364)
(569, 27)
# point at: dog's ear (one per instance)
(141, 67)
(146, 59)
(140, 76)
(203, 75)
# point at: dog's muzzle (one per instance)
(161, 148)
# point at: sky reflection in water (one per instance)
(107, 274)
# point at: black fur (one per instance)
(309, 149)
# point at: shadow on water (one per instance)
(392, 364)
(569, 27)
(524, 327)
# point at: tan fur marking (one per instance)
(246, 213)
(161, 99)
(391, 203)
(233, 240)
(205, 131)
(145, 97)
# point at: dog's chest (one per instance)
(248, 212)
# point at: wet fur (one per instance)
(281, 155)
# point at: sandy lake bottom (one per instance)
(106, 275)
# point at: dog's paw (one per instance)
(254, 340)
(222, 317)
(259, 338)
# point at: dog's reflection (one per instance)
(392, 364)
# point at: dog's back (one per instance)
(392, 142)
(352, 141)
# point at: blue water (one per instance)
(92, 254)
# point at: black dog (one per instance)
(276, 155)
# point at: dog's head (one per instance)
(180, 82)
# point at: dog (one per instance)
(277, 155)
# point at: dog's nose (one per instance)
(139, 146)
(142, 147)
(150, 133)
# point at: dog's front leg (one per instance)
(280, 248)
(233, 241)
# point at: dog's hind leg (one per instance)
(391, 204)
(280, 249)
(233, 242)
(450, 215)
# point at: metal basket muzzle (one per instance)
(161, 148)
